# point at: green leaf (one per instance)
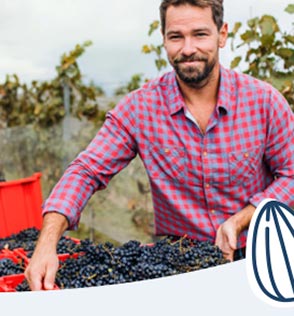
(268, 25)
(87, 43)
(252, 23)
(289, 39)
(285, 53)
(153, 26)
(252, 53)
(267, 40)
(160, 63)
(290, 8)
(236, 28)
(158, 50)
(235, 62)
(146, 49)
(249, 36)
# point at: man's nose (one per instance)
(189, 47)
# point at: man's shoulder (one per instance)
(248, 89)
(149, 94)
(152, 89)
(245, 82)
(158, 83)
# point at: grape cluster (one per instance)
(104, 264)
(8, 267)
(65, 245)
(27, 240)
(23, 286)
(90, 264)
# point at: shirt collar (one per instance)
(176, 100)
(224, 98)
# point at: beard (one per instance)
(194, 76)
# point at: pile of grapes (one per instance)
(92, 264)
(27, 240)
(105, 264)
(8, 267)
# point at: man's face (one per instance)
(192, 42)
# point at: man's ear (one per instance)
(223, 35)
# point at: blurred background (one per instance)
(35, 33)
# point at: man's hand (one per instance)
(41, 270)
(43, 265)
(228, 233)
(226, 238)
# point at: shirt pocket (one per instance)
(244, 165)
(166, 162)
(218, 167)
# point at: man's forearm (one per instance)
(54, 225)
(281, 189)
(242, 218)
(42, 268)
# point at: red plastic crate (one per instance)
(10, 282)
(7, 254)
(64, 256)
(20, 205)
(21, 254)
(76, 240)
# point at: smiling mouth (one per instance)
(190, 61)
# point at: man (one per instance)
(214, 143)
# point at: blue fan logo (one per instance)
(270, 253)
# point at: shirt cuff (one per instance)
(256, 199)
(72, 223)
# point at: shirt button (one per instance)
(246, 155)
(212, 211)
(207, 185)
(205, 153)
(166, 150)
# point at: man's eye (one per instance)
(201, 34)
(174, 37)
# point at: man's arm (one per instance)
(109, 152)
(279, 159)
(43, 265)
(279, 152)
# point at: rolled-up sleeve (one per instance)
(279, 153)
(109, 152)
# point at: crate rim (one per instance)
(32, 178)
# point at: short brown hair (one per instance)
(215, 5)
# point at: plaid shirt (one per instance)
(197, 180)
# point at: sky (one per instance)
(34, 34)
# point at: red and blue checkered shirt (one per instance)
(197, 180)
